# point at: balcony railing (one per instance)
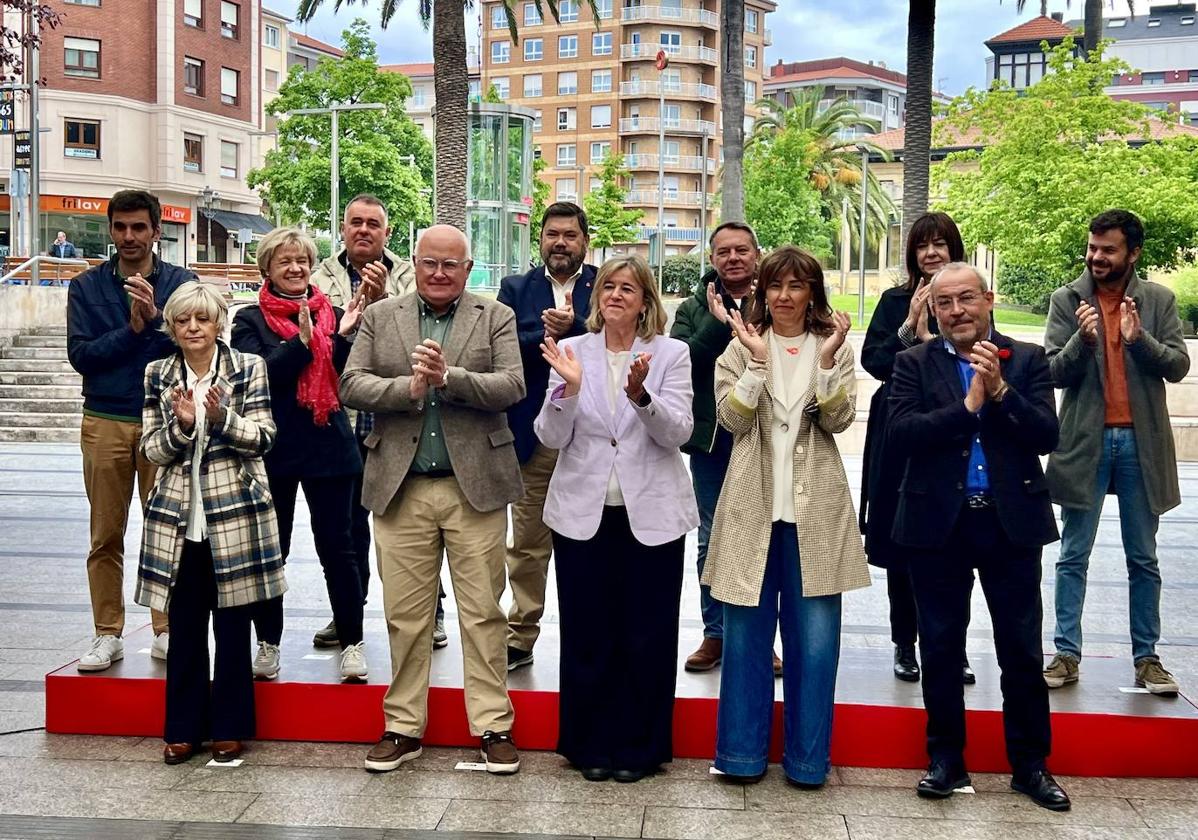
(651, 125)
(648, 52)
(672, 234)
(648, 198)
(865, 107)
(674, 163)
(676, 90)
(669, 14)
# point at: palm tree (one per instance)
(1092, 17)
(917, 142)
(732, 109)
(836, 168)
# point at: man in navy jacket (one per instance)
(552, 300)
(114, 320)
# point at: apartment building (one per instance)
(423, 99)
(595, 89)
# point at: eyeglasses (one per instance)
(431, 265)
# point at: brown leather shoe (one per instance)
(500, 753)
(177, 753)
(226, 750)
(391, 751)
(707, 657)
(777, 666)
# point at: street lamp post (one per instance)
(334, 157)
(208, 197)
(861, 245)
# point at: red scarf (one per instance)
(317, 388)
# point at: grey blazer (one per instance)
(485, 377)
(1077, 368)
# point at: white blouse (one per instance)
(197, 522)
(617, 376)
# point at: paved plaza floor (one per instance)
(110, 787)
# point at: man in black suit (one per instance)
(554, 300)
(974, 410)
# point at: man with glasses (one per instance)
(438, 368)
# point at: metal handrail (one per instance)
(33, 262)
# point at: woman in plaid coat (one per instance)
(210, 545)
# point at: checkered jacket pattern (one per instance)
(831, 558)
(242, 529)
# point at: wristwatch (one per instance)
(1002, 392)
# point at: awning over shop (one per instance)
(232, 221)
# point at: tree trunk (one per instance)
(732, 109)
(921, 31)
(451, 87)
(1093, 29)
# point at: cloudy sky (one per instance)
(803, 29)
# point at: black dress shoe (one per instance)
(595, 774)
(941, 780)
(632, 775)
(906, 668)
(967, 675)
(1043, 789)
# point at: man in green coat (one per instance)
(1113, 340)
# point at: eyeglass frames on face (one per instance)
(448, 266)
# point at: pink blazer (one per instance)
(642, 443)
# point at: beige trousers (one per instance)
(112, 459)
(527, 558)
(427, 515)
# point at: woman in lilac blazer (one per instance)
(620, 503)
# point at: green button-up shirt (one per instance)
(432, 456)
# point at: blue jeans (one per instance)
(811, 650)
(707, 476)
(1118, 467)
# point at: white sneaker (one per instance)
(159, 646)
(266, 662)
(353, 662)
(104, 651)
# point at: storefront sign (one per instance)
(82, 205)
(22, 150)
(8, 109)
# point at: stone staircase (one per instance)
(40, 398)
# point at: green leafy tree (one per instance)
(374, 145)
(492, 95)
(680, 275)
(540, 200)
(1055, 155)
(610, 222)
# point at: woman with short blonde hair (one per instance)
(282, 237)
(652, 320)
(194, 297)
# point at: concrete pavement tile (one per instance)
(692, 824)
(126, 803)
(345, 811)
(1167, 813)
(47, 745)
(896, 828)
(303, 754)
(296, 781)
(544, 818)
(16, 721)
(23, 701)
(51, 773)
(1139, 788)
(771, 795)
(1015, 807)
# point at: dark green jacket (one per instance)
(707, 338)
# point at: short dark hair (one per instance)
(741, 226)
(1126, 221)
(566, 210)
(790, 259)
(369, 199)
(130, 201)
(927, 227)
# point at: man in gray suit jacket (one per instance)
(439, 367)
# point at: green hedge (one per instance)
(1027, 285)
(680, 275)
(1185, 287)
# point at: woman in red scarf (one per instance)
(305, 342)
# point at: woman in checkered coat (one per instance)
(210, 546)
(784, 542)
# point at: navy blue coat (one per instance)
(528, 295)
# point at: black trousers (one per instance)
(619, 647)
(902, 607)
(1010, 576)
(360, 528)
(329, 507)
(195, 710)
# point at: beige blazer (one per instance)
(831, 558)
(485, 377)
(332, 277)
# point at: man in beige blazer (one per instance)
(438, 367)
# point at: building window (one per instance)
(228, 86)
(228, 159)
(81, 57)
(1153, 22)
(82, 139)
(600, 81)
(532, 84)
(601, 43)
(567, 188)
(567, 11)
(671, 80)
(1020, 69)
(750, 20)
(672, 115)
(600, 116)
(567, 155)
(193, 76)
(501, 52)
(604, 7)
(892, 104)
(751, 57)
(671, 42)
(270, 36)
(475, 89)
(567, 46)
(567, 83)
(600, 151)
(534, 49)
(96, 3)
(537, 122)
(271, 80)
(418, 97)
(193, 12)
(498, 17)
(1152, 79)
(750, 92)
(567, 119)
(671, 152)
(193, 153)
(532, 15)
(228, 19)
(503, 87)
